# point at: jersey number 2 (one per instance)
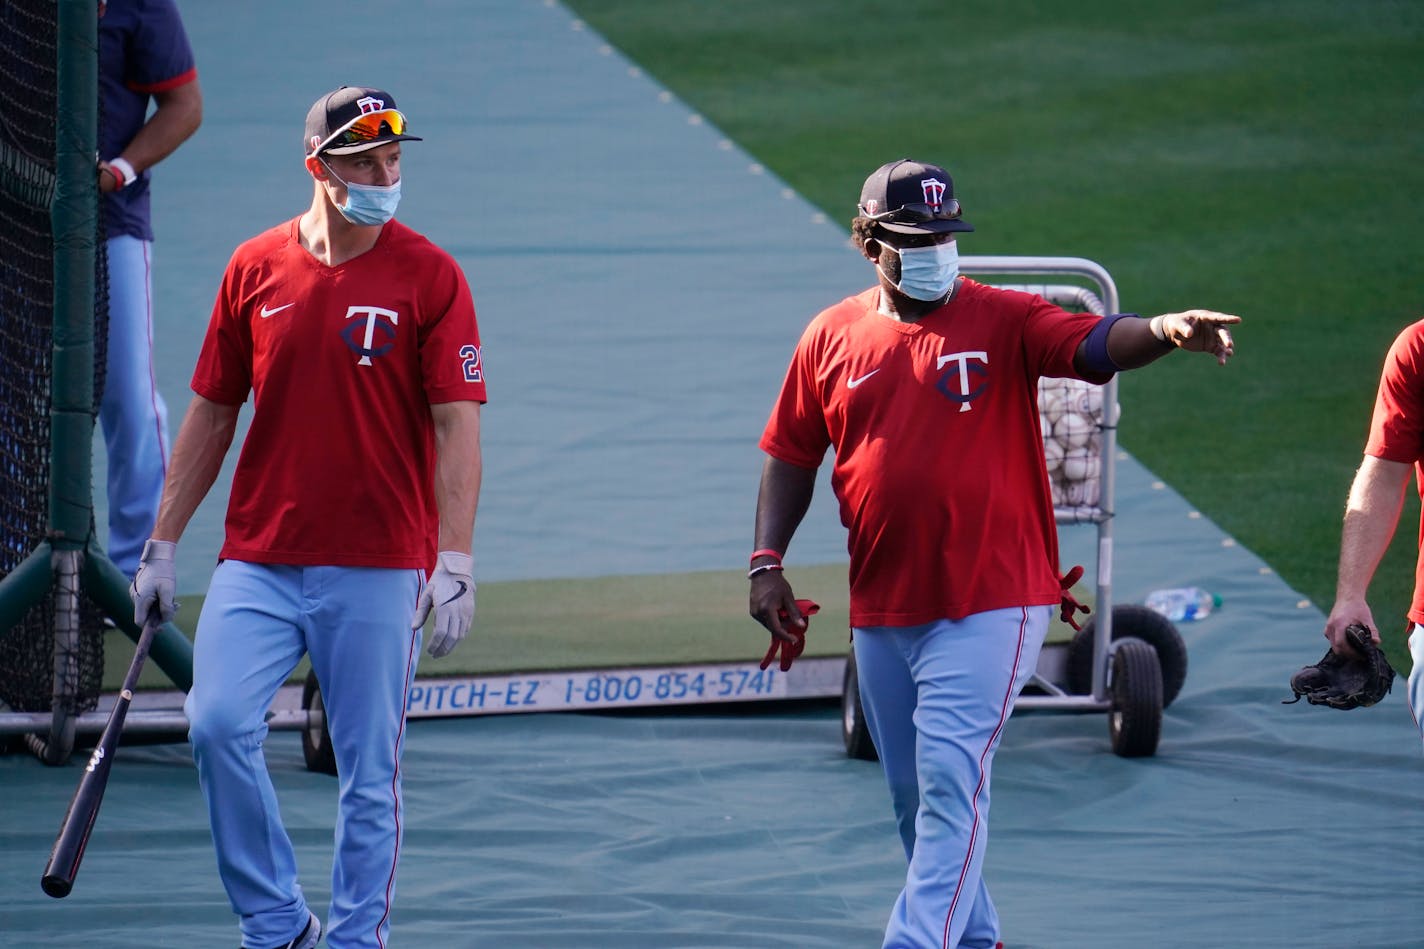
(470, 356)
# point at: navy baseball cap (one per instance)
(352, 119)
(910, 197)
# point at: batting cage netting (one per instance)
(28, 113)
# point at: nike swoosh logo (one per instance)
(458, 593)
(852, 383)
(274, 310)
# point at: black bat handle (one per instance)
(74, 832)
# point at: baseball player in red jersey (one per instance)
(358, 479)
(1394, 450)
(926, 386)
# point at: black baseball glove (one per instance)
(1346, 682)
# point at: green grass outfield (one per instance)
(611, 622)
(1262, 158)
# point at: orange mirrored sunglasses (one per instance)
(366, 127)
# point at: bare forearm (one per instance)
(458, 472)
(1135, 343)
(1371, 516)
(782, 501)
(179, 113)
(1131, 344)
(198, 452)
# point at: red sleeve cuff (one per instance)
(182, 79)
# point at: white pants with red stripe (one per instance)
(936, 698)
(258, 620)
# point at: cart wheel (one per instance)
(858, 743)
(316, 741)
(1135, 719)
(1141, 623)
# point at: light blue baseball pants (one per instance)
(936, 698)
(257, 622)
(1416, 676)
(131, 412)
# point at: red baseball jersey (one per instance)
(343, 364)
(939, 466)
(1397, 428)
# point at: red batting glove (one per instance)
(789, 651)
(1069, 602)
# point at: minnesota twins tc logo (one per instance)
(934, 192)
(375, 317)
(965, 365)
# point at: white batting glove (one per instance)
(451, 593)
(156, 582)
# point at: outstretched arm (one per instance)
(782, 502)
(1135, 343)
(1371, 516)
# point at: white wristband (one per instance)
(1155, 325)
(122, 166)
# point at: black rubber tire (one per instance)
(858, 743)
(1141, 623)
(316, 742)
(1135, 718)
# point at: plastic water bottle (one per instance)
(1183, 603)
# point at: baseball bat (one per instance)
(73, 837)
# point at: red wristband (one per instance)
(766, 552)
(123, 172)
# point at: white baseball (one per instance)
(1081, 493)
(1045, 386)
(1052, 455)
(1087, 400)
(1092, 492)
(1073, 430)
(1052, 404)
(1080, 464)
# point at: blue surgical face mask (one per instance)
(368, 204)
(927, 273)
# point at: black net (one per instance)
(28, 109)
